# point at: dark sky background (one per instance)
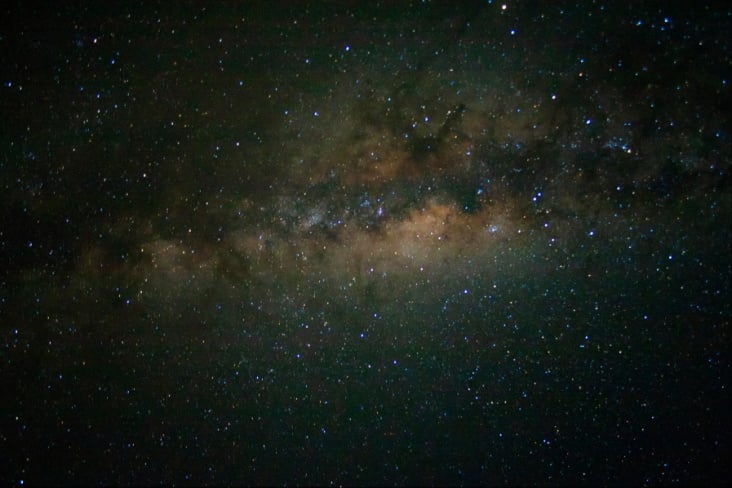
(365, 243)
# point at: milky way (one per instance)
(481, 243)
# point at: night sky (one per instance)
(359, 243)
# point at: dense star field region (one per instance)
(372, 243)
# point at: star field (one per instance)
(419, 243)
